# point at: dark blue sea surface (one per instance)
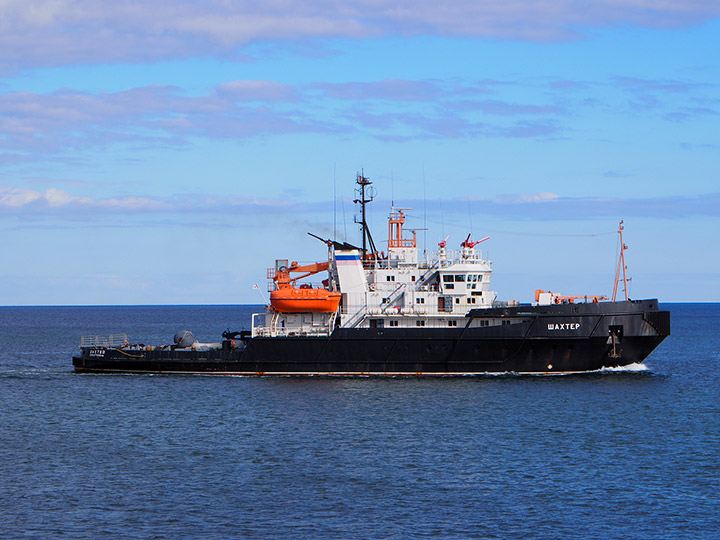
(614, 455)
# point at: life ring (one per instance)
(372, 286)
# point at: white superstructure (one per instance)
(401, 288)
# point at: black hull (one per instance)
(569, 338)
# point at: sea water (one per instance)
(633, 454)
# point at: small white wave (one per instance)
(630, 367)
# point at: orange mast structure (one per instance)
(395, 230)
(621, 264)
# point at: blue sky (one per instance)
(167, 152)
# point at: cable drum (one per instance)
(184, 338)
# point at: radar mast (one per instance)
(366, 193)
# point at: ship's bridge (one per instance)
(467, 280)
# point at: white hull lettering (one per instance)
(563, 326)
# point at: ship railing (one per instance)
(298, 284)
(274, 330)
(455, 256)
(107, 340)
(265, 331)
(505, 303)
(257, 327)
(384, 264)
(431, 287)
(356, 318)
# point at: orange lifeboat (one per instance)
(303, 300)
(287, 298)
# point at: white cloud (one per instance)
(256, 91)
(540, 197)
(49, 123)
(57, 197)
(56, 32)
(60, 203)
(541, 205)
(520, 198)
(11, 197)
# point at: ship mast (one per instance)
(367, 194)
(621, 264)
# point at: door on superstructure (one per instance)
(445, 304)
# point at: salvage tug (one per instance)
(403, 313)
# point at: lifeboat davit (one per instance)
(304, 299)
